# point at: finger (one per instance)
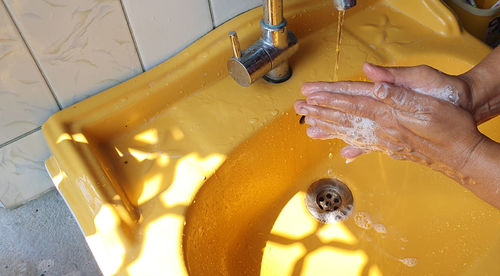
(351, 152)
(363, 107)
(354, 88)
(378, 73)
(325, 114)
(422, 79)
(361, 136)
(402, 98)
(298, 106)
(318, 133)
(411, 76)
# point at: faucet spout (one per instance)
(268, 56)
(273, 12)
(342, 5)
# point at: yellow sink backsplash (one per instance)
(131, 160)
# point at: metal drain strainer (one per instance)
(329, 200)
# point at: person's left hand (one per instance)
(392, 119)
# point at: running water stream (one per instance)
(339, 41)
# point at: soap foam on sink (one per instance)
(380, 228)
(409, 262)
(363, 220)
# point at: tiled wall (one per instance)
(54, 53)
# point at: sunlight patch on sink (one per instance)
(63, 137)
(329, 259)
(155, 258)
(285, 255)
(80, 138)
(294, 222)
(191, 171)
(149, 136)
(105, 244)
(336, 232)
(151, 188)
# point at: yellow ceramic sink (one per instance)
(180, 170)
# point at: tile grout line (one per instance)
(20, 137)
(133, 36)
(211, 10)
(30, 50)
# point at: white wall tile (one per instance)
(83, 46)
(223, 10)
(25, 99)
(22, 170)
(164, 27)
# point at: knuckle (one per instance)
(399, 97)
(384, 115)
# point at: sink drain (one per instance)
(329, 200)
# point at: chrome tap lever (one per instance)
(268, 56)
(236, 44)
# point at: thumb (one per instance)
(421, 76)
(422, 79)
(378, 73)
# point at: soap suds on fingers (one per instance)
(447, 93)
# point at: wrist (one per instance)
(483, 155)
(481, 173)
(484, 87)
(476, 92)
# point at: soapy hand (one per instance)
(413, 113)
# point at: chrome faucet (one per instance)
(342, 5)
(268, 56)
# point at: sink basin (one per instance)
(181, 171)
(251, 219)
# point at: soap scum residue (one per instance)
(409, 262)
(364, 221)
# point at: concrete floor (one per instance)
(43, 238)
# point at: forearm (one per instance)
(484, 82)
(482, 172)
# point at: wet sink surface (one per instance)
(131, 160)
(251, 218)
